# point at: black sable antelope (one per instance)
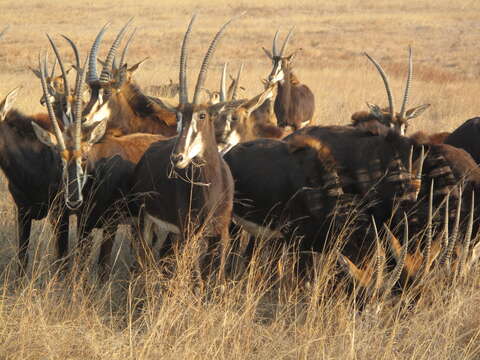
(466, 137)
(32, 170)
(295, 103)
(284, 190)
(128, 109)
(184, 182)
(95, 169)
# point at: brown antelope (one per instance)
(128, 108)
(295, 103)
(94, 167)
(187, 173)
(389, 118)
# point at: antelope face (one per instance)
(398, 122)
(74, 160)
(230, 128)
(277, 74)
(194, 123)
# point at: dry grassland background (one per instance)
(44, 318)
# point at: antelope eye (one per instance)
(202, 116)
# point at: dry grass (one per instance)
(77, 318)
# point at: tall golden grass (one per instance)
(266, 312)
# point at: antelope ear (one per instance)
(416, 111)
(7, 103)
(44, 136)
(97, 132)
(135, 67)
(268, 53)
(294, 54)
(99, 113)
(376, 111)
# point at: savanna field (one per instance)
(265, 312)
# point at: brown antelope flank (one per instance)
(229, 217)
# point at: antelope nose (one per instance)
(74, 204)
(176, 158)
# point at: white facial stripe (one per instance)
(196, 148)
(99, 115)
(233, 138)
(278, 73)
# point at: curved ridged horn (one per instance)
(380, 258)
(410, 161)
(403, 109)
(105, 74)
(125, 49)
(77, 58)
(428, 244)
(237, 81)
(66, 86)
(52, 73)
(456, 228)
(77, 106)
(446, 221)
(418, 177)
(51, 113)
(397, 271)
(122, 67)
(287, 39)
(274, 45)
(468, 235)
(206, 60)
(183, 93)
(4, 31)
(223, 85)
(92, 61)
(391, 103)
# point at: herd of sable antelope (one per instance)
(216, 164)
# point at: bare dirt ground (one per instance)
(255, 317)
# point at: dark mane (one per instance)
(139, 102)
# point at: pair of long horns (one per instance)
(223, 84)
(275, 52)
(391, 101)
(94, 81)
(70, 115)
(183, 94)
